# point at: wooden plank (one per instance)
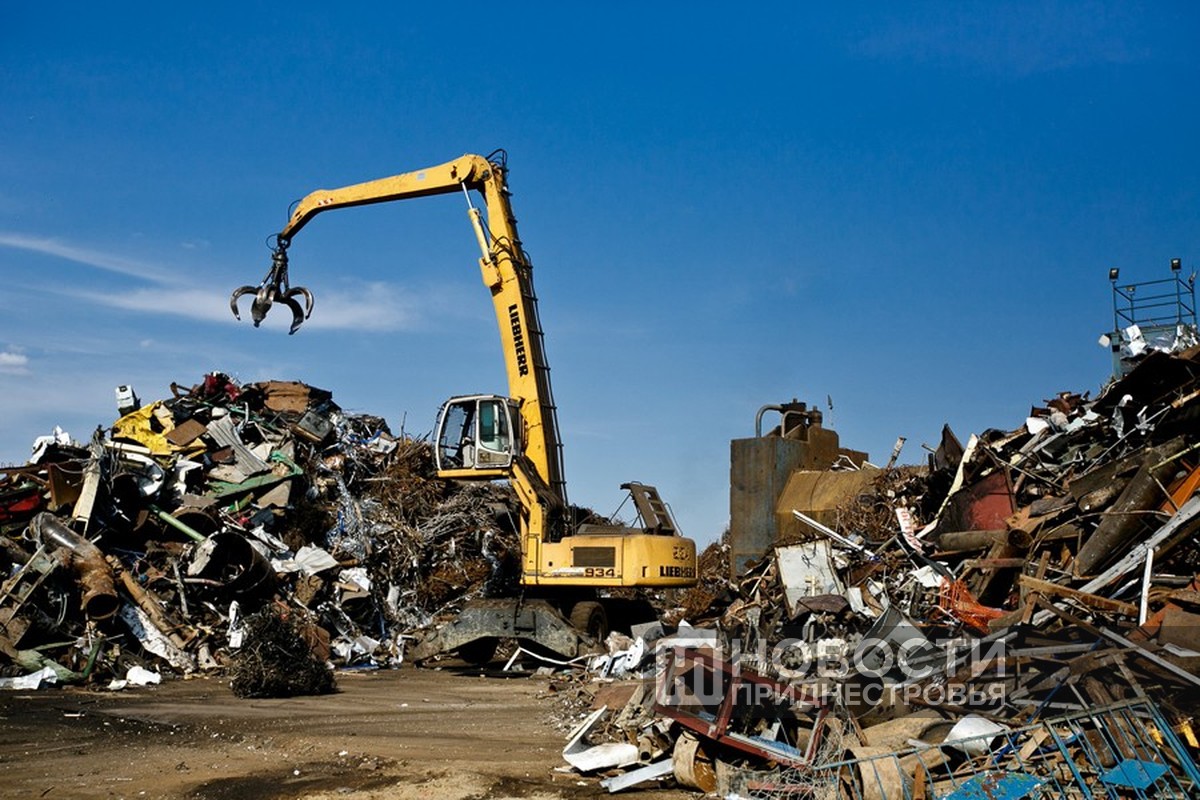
(1043, 565)
(1092, 601)
(1120, 640)
(994, 563)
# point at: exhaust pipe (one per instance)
(92, 572)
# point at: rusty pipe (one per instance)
(759, 417)
(153, 608)
(784, 413)
(1122, 523)
(92, 572)
(968, 541)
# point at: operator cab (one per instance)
(477, 432)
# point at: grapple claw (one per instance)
(238, 294)
(308, 299)
(262, 303)
(297, 312)
(275, 289)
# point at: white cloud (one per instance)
(203, 304)
(376, 306)
(89, 258)
(14, 363)
(370, 307)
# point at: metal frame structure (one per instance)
(1125, 750)
(1157, 308)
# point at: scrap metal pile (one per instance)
(1021, 618)
(152, 546)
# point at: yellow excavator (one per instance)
(487, 437)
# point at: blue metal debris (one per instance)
(1134, 774)
(997, 786)
(1125, 750)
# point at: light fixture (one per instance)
(1113, 274)
(1176, 265)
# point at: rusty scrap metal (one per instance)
(188, 536)
(1043, 579)
(98, 592)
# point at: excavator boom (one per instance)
(514, 437)
(470, 171)
(506, 272)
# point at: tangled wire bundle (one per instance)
(276, 659)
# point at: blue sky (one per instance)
(907, 208)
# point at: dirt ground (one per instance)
(385, 735)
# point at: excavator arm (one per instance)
(469, 171)
(554, 554)
(507, 273)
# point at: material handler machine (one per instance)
(565, 566)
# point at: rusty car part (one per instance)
(692, 766)
(720, 701)
(94, 575)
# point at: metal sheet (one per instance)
(759, 469)
(982, 506)
(806, 570)
(997, 786)
(659, 769)
(1134, 774)
(589, 758)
